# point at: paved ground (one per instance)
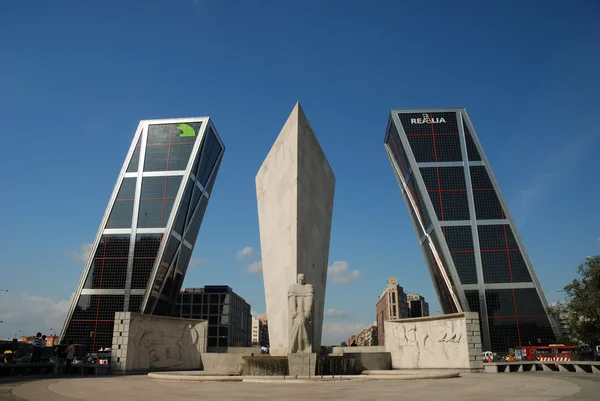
(488, 387)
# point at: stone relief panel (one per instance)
(163, 343)
(432, 343)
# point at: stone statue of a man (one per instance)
(301, 297)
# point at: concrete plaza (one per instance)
(470, 386)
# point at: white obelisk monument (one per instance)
(294, 189)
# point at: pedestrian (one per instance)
(42, 347)
(37, 343)
(70, 356)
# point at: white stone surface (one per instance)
(436, 342)
(148, 342)
(295, 189)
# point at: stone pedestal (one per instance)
(294, 189)
(302, 364)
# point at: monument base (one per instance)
(302, 364)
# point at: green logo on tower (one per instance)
(186, 130)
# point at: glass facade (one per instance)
(147, 236)
(228, 315)
(468, 239)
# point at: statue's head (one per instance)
(300, 278)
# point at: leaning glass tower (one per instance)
(469, 239)
(145, 241)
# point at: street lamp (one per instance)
(54, 332)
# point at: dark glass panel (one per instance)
(135, 158)
(418, 199)
(465, 267)
(450, 206)
(455, 206)
(473, 300)
(480, 178)
(146, 248)
(194, 228)
(504, 334)
(422, 148)
(395, 145)
(209, 157)
(122, 210)
(109, 265)
(445, 178)
(528, 302)
(465, 127)
(447, 148)
(184, 259)
(156, 158)
(121, 215)
(179, 157)
(211, 182)
(160, 134)
(536, 330)
(472, 149)
(520, 272)
(208, 143)
(184, 208)
(196, 194)
(495, 267)
(487, 205)
(500, 303)
(135, 303)
(197, 159)
(154, 213)
(160, 187)
(127, 189)
(458, 238)
(214, 156)
(168, 258)
(496, 237)
(443, 293)
(163, 308)
(97, 307)
(168, 279)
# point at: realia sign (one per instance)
(428, 120)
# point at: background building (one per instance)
(260, 332)
(146, 237)
(228, 315)
(417, 306)
(469, 239)
(392, 305)
(366, 338)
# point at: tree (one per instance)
(343, 344)
(581, 311)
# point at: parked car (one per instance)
(88, 359)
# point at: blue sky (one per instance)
(76, 77)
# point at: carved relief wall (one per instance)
(448, 341)
(147, 342)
